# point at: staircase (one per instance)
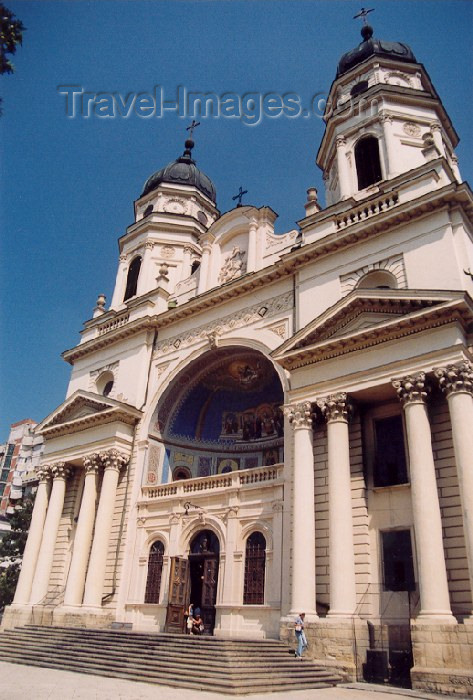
(200, 663)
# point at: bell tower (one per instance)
(162, 248)
(383, 119)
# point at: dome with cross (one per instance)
(182, 171)
(370, 46)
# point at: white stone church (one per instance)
(266, 424)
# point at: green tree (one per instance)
(11, 34)
(12, 546)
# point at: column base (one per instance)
(16, 615)
(341, 615)
(433, 617)
(310, 615)
(82, 616)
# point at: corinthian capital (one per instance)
(60, 470)
(340, 141)
(299, 414)
(456, 378)
(114, 459)
(44, 473)
(92, 463)
(336, 407)
(412, 389)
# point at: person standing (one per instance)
(300, 636)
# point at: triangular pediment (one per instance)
(369, 313)
(85, 407)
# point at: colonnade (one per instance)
(456, 381)
(86, 576)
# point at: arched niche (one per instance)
(221, 413)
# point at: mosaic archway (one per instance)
(221, 414)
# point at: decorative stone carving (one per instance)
(412, 389)
(44, 473)
(336, 407)
(411, 129)
(114, 459)
(168, 251)
(60, 470)
(300, 415)
(213, 339)
(279, 329)
(175, 205)
(123, 257)
(162, 368)
(341, 141)
(245, 317)
(456, 378)
(92, 463)
(233, 265)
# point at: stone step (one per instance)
(231, 667)
(212, 667)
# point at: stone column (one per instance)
(44, 564)
(457, 383)
(391, 167)
(83, 537)
(436, 131)
(433, 587)
(186, 263)
(342, 166)
(120, 283)
(303, 514)
(336, 409)
(251, 264)
(204, 264)
(113, 462)
(33, 543)
(146, 278)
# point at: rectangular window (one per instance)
(390, 466)
(398, 566)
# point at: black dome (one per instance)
(373, 47)
(182, 171)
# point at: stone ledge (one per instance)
(445, 681)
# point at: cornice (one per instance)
(459, 310)
(288, 263)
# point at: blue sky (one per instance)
(68, 183)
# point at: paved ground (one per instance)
(32, 683)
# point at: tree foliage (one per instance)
(12, 546)
(11, 34)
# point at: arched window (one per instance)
(255, 565)
(132, 278)
(368, 164)
(378, 279)
(105, 383)
(181, 473)
(155, 570)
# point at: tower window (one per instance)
(398, 567)
(255, 565)
(132, 278)
(155, 570)
(368, 164)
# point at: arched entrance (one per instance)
(203, 576)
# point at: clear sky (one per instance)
(68, 182)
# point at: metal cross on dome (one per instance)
(191, 128)
(239, 196)
(363, 14)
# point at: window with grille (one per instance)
(155, 570)
(255, 564)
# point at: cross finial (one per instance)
(191, 128)
(239, 196)
(363, 14)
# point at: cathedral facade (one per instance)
(264, 424)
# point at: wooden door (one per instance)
(178, 594)
(209, 593)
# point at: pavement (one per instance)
(18, 682)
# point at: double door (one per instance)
(193, 580)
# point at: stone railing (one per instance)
(238, 479)
(366, 210)
(113, 324)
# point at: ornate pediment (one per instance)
(83, 409)
(371, 316)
